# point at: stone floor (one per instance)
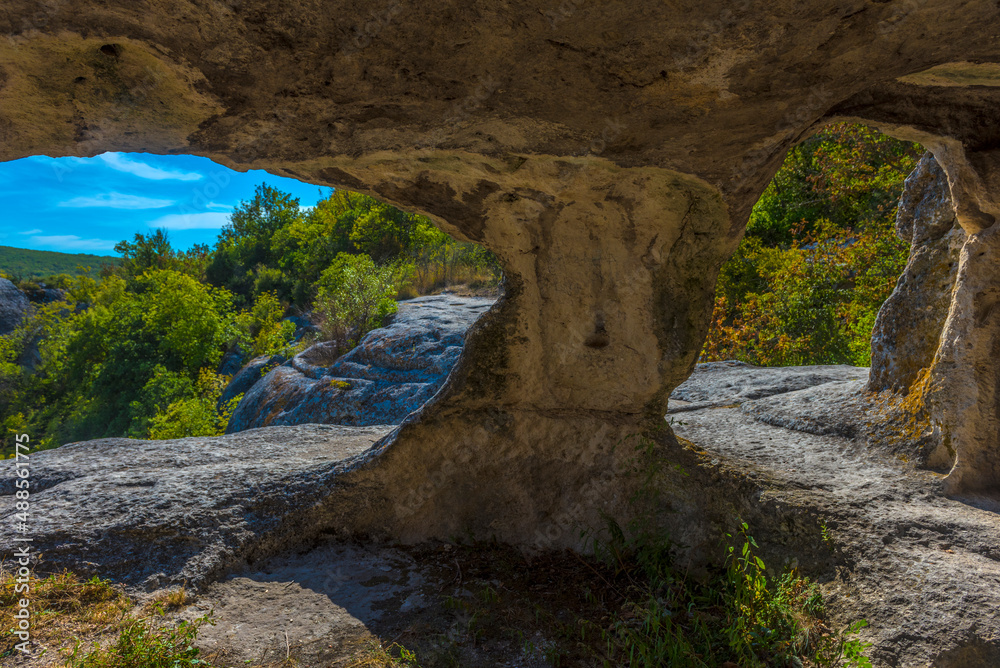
(923, 569)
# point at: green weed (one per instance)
(143, 643)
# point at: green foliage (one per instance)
(812, 303)
(197, 413)
(261, 330)
(108, 369)
(740, 615)
(819, 257)
(154, 252)
(354, 296)
(245, 243)
(274, 246)
(847, 174)
(20, 264)
(145, 643)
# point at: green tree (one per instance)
(820, 254)
(847, 174)
(354, 296)
(106, 370)
(146, 252)
(245, 243)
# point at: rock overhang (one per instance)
(608, 152)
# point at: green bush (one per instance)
(261, 330)
(143, 643)
(741, 615)
(108, 369)
(354, 296)
(198, 413)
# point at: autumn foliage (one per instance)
(819, 257)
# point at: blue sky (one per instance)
(87, 205)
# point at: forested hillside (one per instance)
(23, 263)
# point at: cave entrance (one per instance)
(168, 296)
(850, 259)
(821, 254)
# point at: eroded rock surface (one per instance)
(248, 376)
(609, 153)
(152, 513)
(908, 329)
(937, 335)
(13, 306)
(729, 383)
(391, 373)
(923, 569)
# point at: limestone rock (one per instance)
(248, 376)
(13, 306)
(922, 569)
(152, 513)
(729, 383)
(908, 328)
(391, 373)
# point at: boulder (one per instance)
(248, 376)
(908, 327)
(13, 306)
(392, 372)
(155, 513)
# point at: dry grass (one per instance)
(169, 600)
(62, 607)
(377, 656)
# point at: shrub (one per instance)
(812, 303)
(820, 254)
(196, 415)
(144, 644)
(261, 331)
(354, 296)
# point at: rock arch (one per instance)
(608, 152)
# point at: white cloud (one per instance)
(117, 201)
(71, 242)
(31, 232)
(192, 221)
(138, 168)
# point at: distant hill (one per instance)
(34, 264)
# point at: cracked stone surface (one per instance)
(922, 568)
(155, 513)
